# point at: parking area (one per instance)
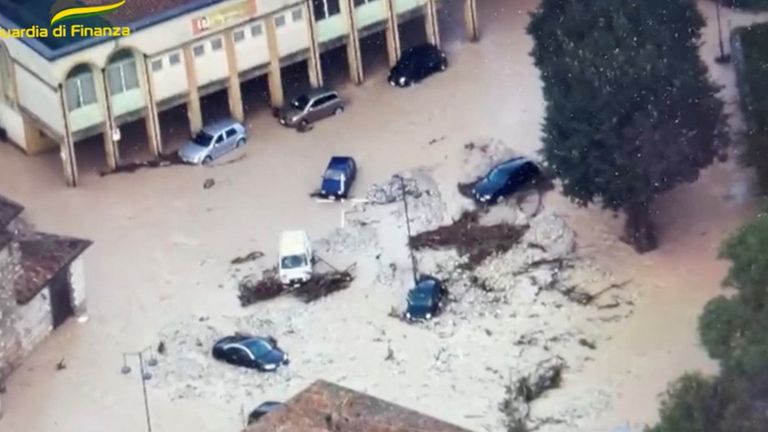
(160, 269)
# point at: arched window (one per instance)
(121, 73)
(80, 89)
(7, 86)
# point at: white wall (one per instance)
(34, 320)
(252, 51)
(271, 5)
(171, 80)
(39, 99)
(159, 38)
(25, 55)
(11, 121)
(293, 36)
(211, 66)
(76, 279)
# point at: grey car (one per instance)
(311, 107)
(215, 140)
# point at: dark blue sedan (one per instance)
(338, 177)
(253, 352)
(263, 409)
(425, 299)
(505, 179)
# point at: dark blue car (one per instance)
(425, 299)
(505, 179)
(263, 409)
(253, 352)
(338, 177)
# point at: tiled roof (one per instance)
(8, 211)
(326, 407)
(42, 257)
(137, 10)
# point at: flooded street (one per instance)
(160, 263)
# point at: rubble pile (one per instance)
(322, 285)
(535, 262)
(253, 290)
(267, 287)
(528, 387)
(471, 239)
(357, 237)
(425, 203)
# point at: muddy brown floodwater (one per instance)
(160, 270)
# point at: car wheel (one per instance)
(338, 110)
(240, 142)
(207, 160)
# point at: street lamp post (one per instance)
(408, 229)
(723, 57)
(144, 376)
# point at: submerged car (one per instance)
(295, 258)
(417, 63)
(213, 141)
(253, 352)
(310, 108)
(263, 409)
(425, 299)
(505, 179)
(338, 177)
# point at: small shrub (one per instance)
(720, 326)
(686, 407)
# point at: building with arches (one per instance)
(57, 92)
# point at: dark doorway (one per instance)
(61, 300)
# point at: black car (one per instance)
(263, 409)
(338, 177)
(417, 63)
(505, 179)
(253, 352)
(425, 299)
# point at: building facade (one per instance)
(53, 95)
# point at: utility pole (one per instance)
(408, 229)
(144, 376)
(722, 58)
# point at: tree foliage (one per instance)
(734, 331)
(630, 110)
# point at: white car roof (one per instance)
(293, 242)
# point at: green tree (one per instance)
(630, 110)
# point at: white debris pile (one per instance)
(480, 157)
(356, 237)
(426, 208)
(528, 387)
(534, 263)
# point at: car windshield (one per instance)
(300, 102)
(419, 297)
(257, 347)
(333, 174)
(202, 139)
(293, 261)
(500, 174)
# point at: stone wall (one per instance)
(10, 342)
(33, 321)
(76, 279)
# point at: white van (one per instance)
(295, 261)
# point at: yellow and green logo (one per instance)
(64, 10)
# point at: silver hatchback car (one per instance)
(215, 140)
(311, 107)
